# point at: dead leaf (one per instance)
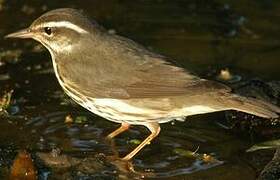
(23, 168)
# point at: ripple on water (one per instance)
(159, 157)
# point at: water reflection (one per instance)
(158, 158)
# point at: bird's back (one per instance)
(124, 69)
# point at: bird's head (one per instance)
(58, 30)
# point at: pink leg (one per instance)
(124, 127)
(155, 129)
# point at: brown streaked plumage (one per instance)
(124, 82)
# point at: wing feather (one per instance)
(119, 68)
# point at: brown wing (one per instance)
(119, 68)
(157, 80)
(166, 80)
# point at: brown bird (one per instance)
(120, 80)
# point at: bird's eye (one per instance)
(48, 30)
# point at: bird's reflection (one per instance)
(125, 168)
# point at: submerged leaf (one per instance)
(265, 145)
(80, 119)
(186, 153)
(135, 141)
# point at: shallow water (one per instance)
(203, 36)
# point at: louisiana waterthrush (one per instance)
(122, 81)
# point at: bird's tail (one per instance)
(255, 106)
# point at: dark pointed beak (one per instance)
(24, 33)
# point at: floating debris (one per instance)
(78, 120)
(68, 119)
(5, 101)
(206, 158)
(225, 75)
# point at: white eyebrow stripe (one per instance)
(65, 24)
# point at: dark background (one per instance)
(203, 36)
